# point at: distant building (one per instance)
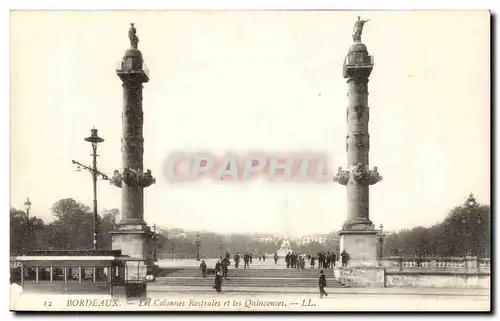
(321, 239)
(180, 235)
(263, 238)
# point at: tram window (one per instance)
(15, 275)
(88, 275)
(118, 274)
(57, 274)
(43, 274)
(101, 274)
(73, 275)
(29, 274)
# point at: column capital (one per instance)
(360, 174)
(342, 176)
(117, 179)
(133, 177)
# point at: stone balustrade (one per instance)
(483, 264)
(437, 264)
(416, 272)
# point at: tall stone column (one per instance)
(358, 236)
(133, 237)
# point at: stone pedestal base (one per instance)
(361, 245)
(363, 268)
(361, 276)
(135, 241)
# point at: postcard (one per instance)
(249, 161)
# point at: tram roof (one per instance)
(74, 256)
(113, 253)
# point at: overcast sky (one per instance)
(241, 81)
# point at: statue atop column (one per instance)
(358, 29)
(134, 40)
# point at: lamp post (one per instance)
(220, 248)
(154, 242)
(94, 139)
(381, 242)
(198, 244)
(466, 248)
(166, 242)
(173, 248)
(468, 223)
(27, 207)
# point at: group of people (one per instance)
(221, 271)
(222, 266)
(325, 260)
(247, 259)
(293, 260)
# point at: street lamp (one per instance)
(166, 242)
(198, 244)
(27, 207)
(94, 139)
(154, 242)
(220, 248)
(466, 248)
(381, 242)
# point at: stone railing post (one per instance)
(471, 263)
(433, 264)
(400, 264)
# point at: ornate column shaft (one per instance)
(132, 150)
(358, 144)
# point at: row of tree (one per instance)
(213, 245)
(465, 231)
(72, 228)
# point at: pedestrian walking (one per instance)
(203, 268)
(344, 257)
(225, 267)
(218, 282)
(322, 284)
